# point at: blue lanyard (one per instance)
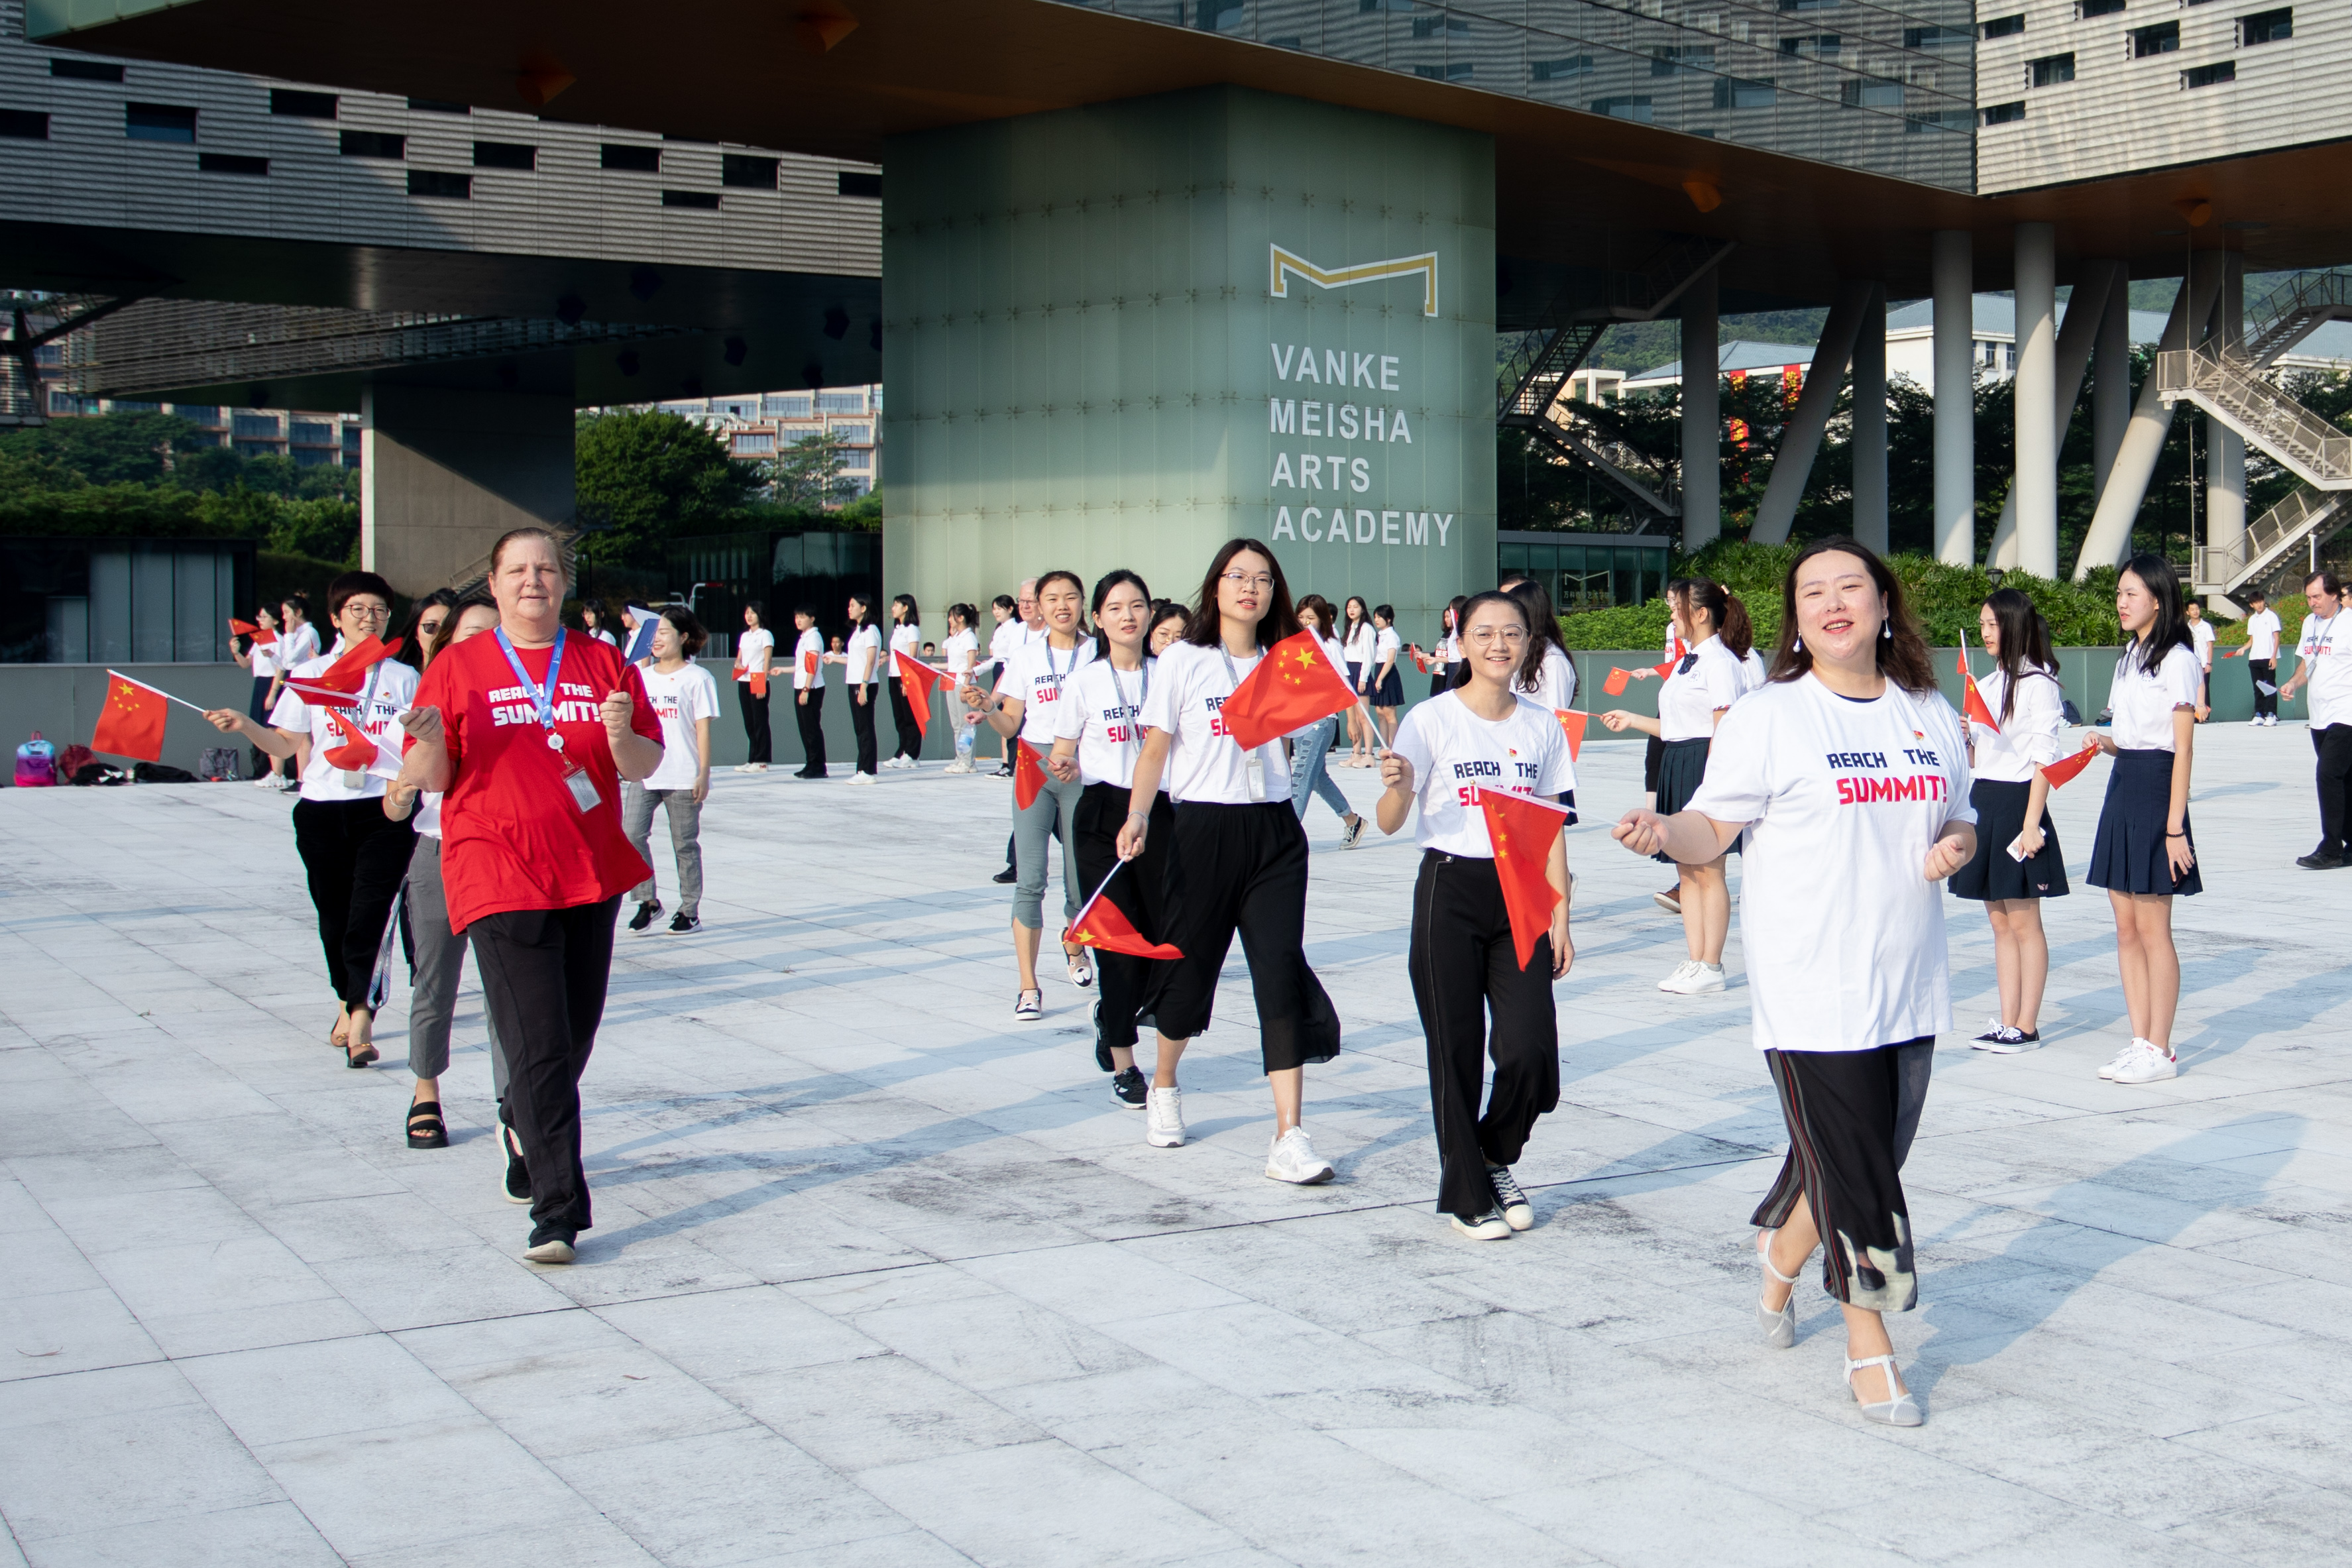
(542, 698)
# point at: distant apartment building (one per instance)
(311, 439)
(757, 427)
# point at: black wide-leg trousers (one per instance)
(354, 857)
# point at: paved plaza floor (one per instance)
(883, 1278)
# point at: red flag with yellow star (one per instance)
(1028, 773)
(1522, 830)
(132, 723)
(916, 679)
(1972, 703)
(1295, 685)
(2063, 770)
(1105, 925)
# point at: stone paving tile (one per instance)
(882, 1277)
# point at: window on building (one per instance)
(2004, 113)
(2086, 9)
(301, 105)
(749, 441)
(2004, 26)
(2266, 28)
(259, 427)
(857, 458)
(311, 433)
(505, 155)
(196, 414)
(25, 124)
(1626, 106)
(1953, 119)
(744, 172)
(1868, 94)
(706, 201)
(158, 123)
(2209, 76)
(1808, 5)
(1435, 27)
(1688, 58)
(1732, 92)
(2049, 70)
(86, 70)
(841, 403)
(849, 182)
(373, 144)
(440, 183)
(2162, 38)
(1937, 37)
(633, 160)
(785, 406)
(439, 106)
(856, 435)
(1452, 70)
(1560, 69)
(232, 163)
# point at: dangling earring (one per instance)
(1887, 631)
(1797, 645)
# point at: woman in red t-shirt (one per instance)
(530, 733)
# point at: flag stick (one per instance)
(1552, 806)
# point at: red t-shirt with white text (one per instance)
(512, 838)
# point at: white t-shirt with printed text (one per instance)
(2326, 649)
(679, 698)
(1205, 763)
(1037, 680)
(1454, 752)
(383, 696)
(1107, 728)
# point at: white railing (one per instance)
(2228, 387)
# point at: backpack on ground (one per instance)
(161, 773)
(72, 760)
(219, 762)
(36, 763)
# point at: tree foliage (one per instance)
(642, 477)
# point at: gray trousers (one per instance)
(684, 815)
(1053, 812)
(440, 954)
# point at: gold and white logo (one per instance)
(1283, 264)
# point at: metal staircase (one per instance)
(2229, 386)
(2293, 311)
(1617, 465)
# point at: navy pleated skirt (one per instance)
(1991, 874)
(2128, 855)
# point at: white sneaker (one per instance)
(1691, 977)
(2148, 1065)
(2126, 1053)
(867, 779)
(1292, 1158)
(1163, 1117)
(958, 766)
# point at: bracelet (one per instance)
(2176, 835)
(1133, 815)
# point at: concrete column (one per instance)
(2225, 471)
(2085, 309)
(2110, 397)
(2036, 400)
(2108, 542)
(1956, 408)
(1870, 424)
(1702, 417)
(1801, 438)
(442, 473)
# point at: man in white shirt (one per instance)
(2326, 649)
(2262, 657)
(2201, 634)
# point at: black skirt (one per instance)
(1649, 755)
(1994, 873)
(1388, 691)
(2128, 855)
(1682, 768)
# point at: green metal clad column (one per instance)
(1118, 336)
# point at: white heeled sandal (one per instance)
(1900, 1411)
(1780, 1327)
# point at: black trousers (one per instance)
(755, 723)
(861, 723)
(1244, 869)
(355, 857)
(2334, 747)
(1851, 1116)
(810, 717)
(2265, 673)
(1140, 893)
(1466, 970)
(902, 714)
(543, 978)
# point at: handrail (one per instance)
(2273, 420)
(2271, 323)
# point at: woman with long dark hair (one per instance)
(1555, 683)
(1484, 733)
(862, 668)
(1168, 619)
(1236, 856)
(425, 620)
(1850, 777)
(258, 657)
(529, 734)
(1713, 624)
(1310, 748)
(2145, 854)
(907, 637)
(1446, 658)
(2018, 862)
(755, 654)
(1358, 637)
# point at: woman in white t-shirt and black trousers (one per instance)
(1482, 734)
(1849, 775)
(753, 656)
(1236, 856)
(907, 637)
(1713, 624)
(2009, 795)
(685, 699)
(862, 664)
(1097, 736)
(2145, 855)
(808, 692)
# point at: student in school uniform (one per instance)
(906, 637)
(862, 666)
(1096, 738)
(1010, 635)
(685, 699)
(591, 623)
(1023, 710)
(1713, 624)
(1447, 654)
(1310, 748)
(754, 652)
(2145, 855)
(1358, 637)
(353, 855)
(2325, 647)
(1484, 733)
(298, 642)
(1653, 750)
(960, 655)
(1850, 777)
(259, 658)
(2030, 707)
(1236, 856)
(1386, 686)
(1555, 686)
(2200, 638)
(808, 692)
(2262, 657)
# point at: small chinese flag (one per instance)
(916, 680)
(2234, 652)
(2061, 772)
(1295, 685)
(131, 723)
(1420, 659)
(337, 685)
(1028, 773)
(241, 628)
(1105, 925)
(358, 753)
(1571, 724)
(1615, 683)
(758, 683)
(1674, 658)
(1972, 703)
(1522, 829)
(808, 662)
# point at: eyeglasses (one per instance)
(1487, 636)
(1245, 580)
(369, 612)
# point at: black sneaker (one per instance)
(644, 917)
(551, 1244)
(1008, 877)
(1509, 1201)
(2320, 860)
(1003, 770)
(2009, 1040)
(684, 923)
(1130, 1089)
(515, 1185)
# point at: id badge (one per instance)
(1256, 776)
(583, 787)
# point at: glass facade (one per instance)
(1868, 86)
(1586, 571)
(115, 601)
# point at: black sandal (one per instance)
(425, 1129)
